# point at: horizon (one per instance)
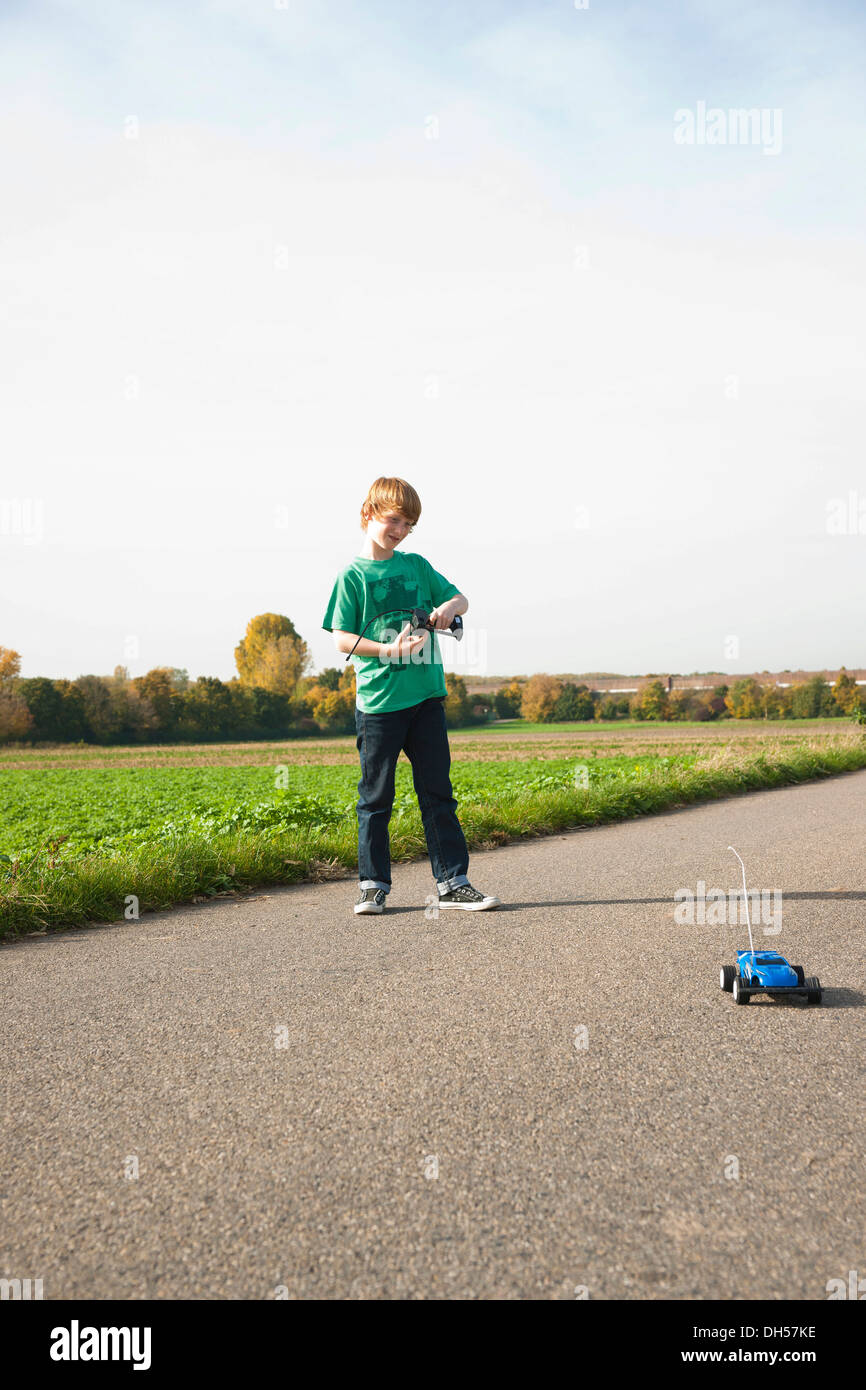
(471, 680)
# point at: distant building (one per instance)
(629, 685)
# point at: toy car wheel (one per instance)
(816, 993)
(740, 996)
(726, 977)
(800, 973)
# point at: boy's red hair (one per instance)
(391, 494)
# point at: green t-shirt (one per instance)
(366, 587)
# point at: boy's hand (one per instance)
(403, 645)
(443, 616)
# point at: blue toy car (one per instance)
(767, 972)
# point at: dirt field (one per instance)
(487, 744)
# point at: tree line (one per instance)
(547, 699)
(271, 697)
(274, 696)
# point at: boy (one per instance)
(400, 697)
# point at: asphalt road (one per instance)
(319, 1105)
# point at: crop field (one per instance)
(83, 828)
(82, 811)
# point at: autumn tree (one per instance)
(651, 702)
(540, 694)
(329, 698)
(135, 719)
(686, 703)
(272, 655)
(16, 721)
(159, 686)
(844, 691)
(335, 712)
(10, 665)
(744, 699)
(457, 704)
(776, 702)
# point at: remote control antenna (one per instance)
(387, 613)
(746, 895)
(419, 621)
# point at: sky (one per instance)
(255, 254)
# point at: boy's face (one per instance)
(389, 529)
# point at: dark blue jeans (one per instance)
(419, 731)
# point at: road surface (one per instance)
(276, 1098)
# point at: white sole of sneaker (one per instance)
(472, 907)
(367, 908)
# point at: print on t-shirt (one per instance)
(392, 595)
(359, 595)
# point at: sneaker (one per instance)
(371, 900)
(468, 898)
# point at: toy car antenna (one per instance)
(746, 896)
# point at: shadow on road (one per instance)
(833, 999)
(842, 895)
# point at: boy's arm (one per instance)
(345, 641)
(443, 616)
(386, 651)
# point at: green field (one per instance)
(87, 811)
(82, 830)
